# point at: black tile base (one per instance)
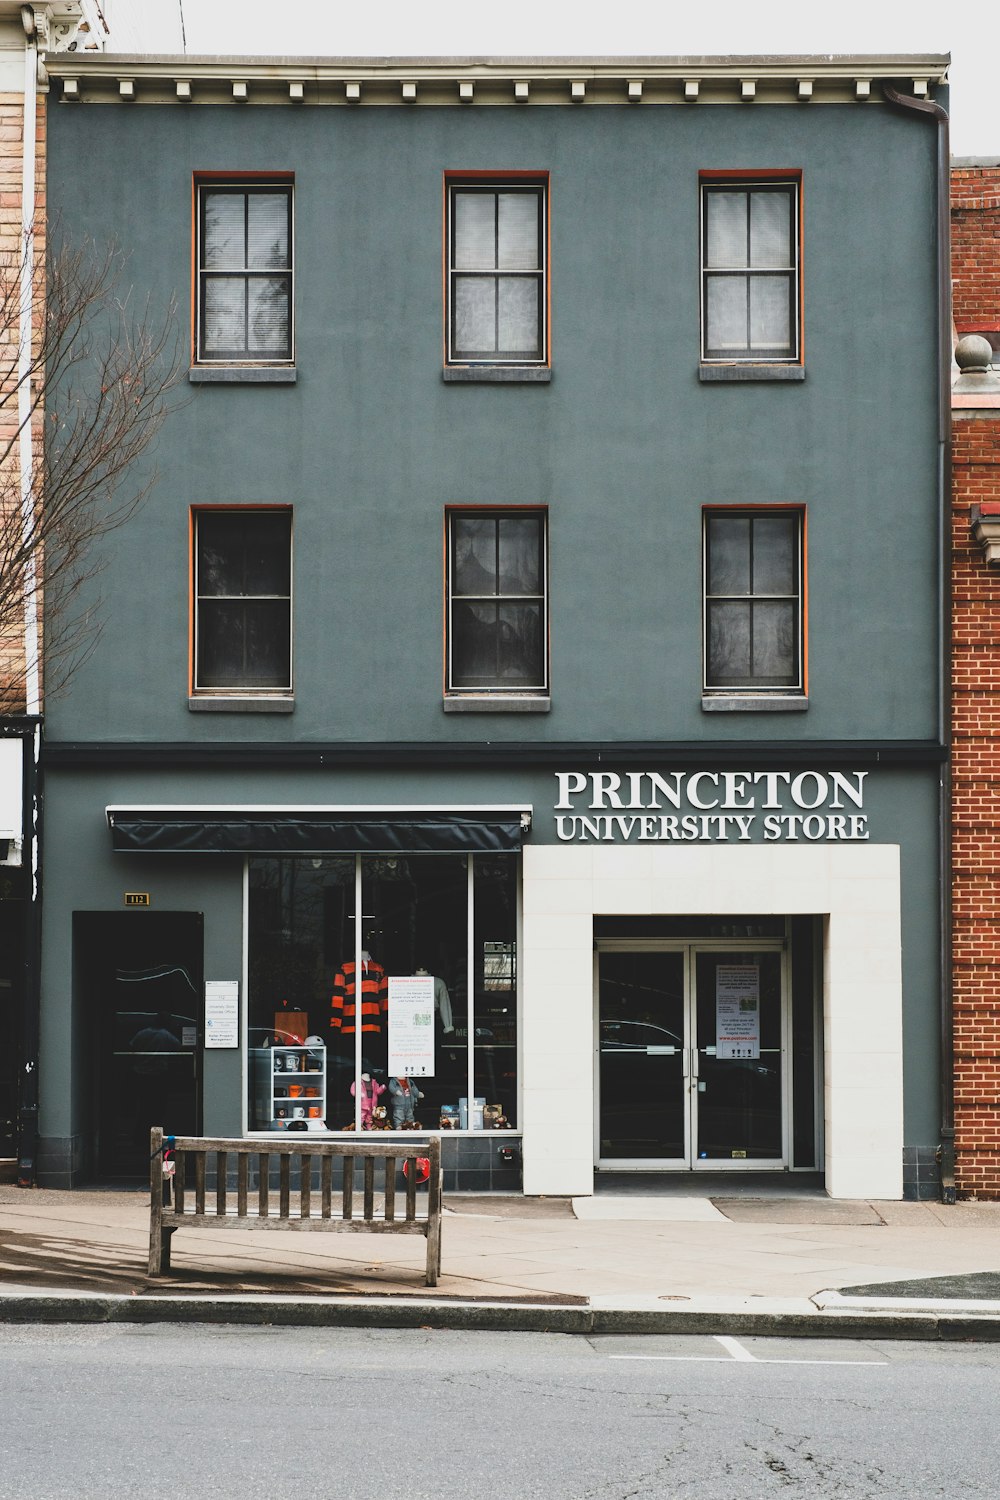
(921, 1174)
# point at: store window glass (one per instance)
(495, 957)
(363, 1014)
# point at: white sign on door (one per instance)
(222, 1012)
(737, 1010)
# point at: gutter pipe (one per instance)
(927, 108)
(27, 1135)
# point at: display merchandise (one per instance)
(374, 998)
(442, 1002)
(371, 1092)
(290, 1086)
(340, 940)
(404, 1096)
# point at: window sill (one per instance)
(498, 374)
(240, 705)
(498, 703)
(242, 374)
(751, 371)
(753, 703)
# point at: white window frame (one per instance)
(792, 186)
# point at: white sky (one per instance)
(968, 29)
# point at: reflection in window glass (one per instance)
(414, 922)
(753, 600)
(495, 951)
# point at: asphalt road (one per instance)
(174, 1413)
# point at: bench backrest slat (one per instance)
(263, 1183)
(305, 1186)
(221, 1159)
(390, 1189)
(199, 1182)
(411, 1190)
(326, 1186)
(242, 1176)
(347, 1205)
(369, 1188)
(284, 1185)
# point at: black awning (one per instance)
(235, 830)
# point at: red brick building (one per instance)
(975, 213)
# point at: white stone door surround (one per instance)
(855, 887)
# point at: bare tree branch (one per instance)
(95, 388)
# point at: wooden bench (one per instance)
(311, 1205)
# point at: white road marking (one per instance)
(736, 1349)
(736, 1353)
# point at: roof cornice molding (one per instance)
(99, 78)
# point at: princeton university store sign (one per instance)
(712, 806)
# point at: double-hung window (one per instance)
(497, 609)
(244, 273)
(750, 271)
(754, 614)
(496, 258)
(242, 567)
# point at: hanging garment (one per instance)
(374, 998)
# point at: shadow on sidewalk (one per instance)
(67, 1264)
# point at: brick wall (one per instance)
(11, 135)
(975, 250)
(976, 707)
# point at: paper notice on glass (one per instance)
(222, 1013)
(411, 1025)
(737, 1010)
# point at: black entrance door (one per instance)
(141, 983)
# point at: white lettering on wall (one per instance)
(731, 806)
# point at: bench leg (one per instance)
(433, 1251)
(159, 1250)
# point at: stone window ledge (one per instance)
(238, 705)
(497, 374)
(753, 703)
(242, 374)
(738, 372)
(498, 703)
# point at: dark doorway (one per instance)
(13, 915)
(139, 977)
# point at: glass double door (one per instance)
(690, 1057)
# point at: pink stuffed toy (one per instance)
(370, 1094)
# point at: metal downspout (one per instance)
(27, 1134)
(32, 687)
(935, 112)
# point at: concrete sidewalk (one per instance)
(805, 1265)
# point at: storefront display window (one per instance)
(397, 977)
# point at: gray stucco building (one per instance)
(525, 678)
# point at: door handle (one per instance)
(694, 1062)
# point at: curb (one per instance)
(938, 1324)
